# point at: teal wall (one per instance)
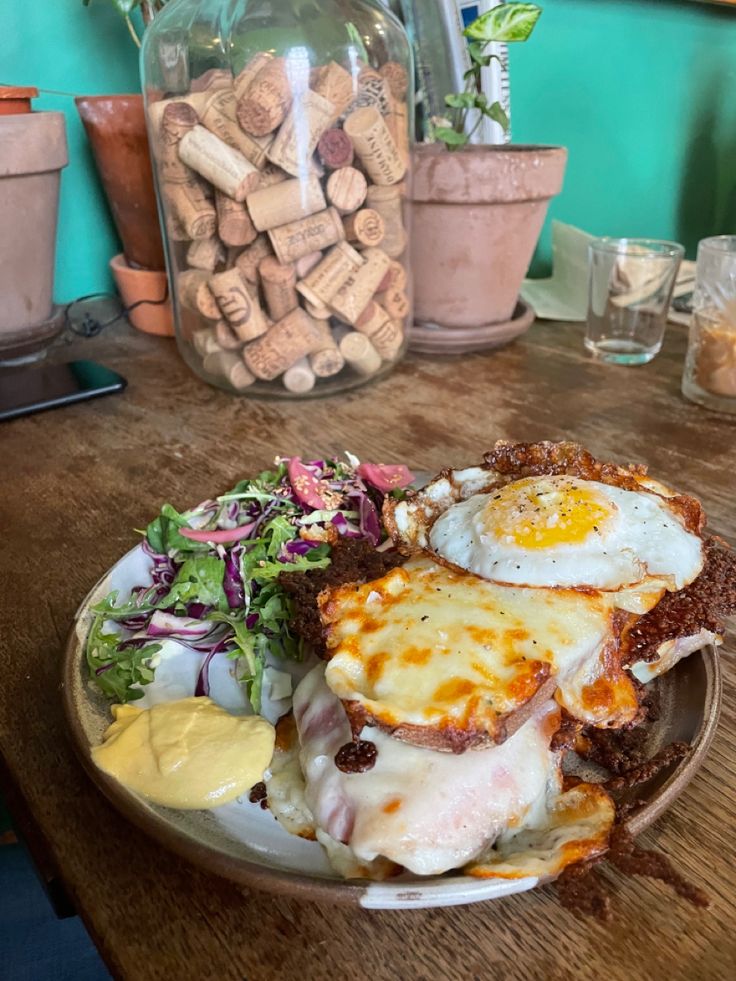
(642, 92)
(62, 45)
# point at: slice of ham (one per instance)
(672, 651)
(427, 811)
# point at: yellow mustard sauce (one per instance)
(188, 754)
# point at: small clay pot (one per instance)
(15, 99)
(477, 214)
(33, 151)
(116, 129)
(144, 284)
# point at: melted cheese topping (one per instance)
(424, 810)
(429, 646)
(188, 754)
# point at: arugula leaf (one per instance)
(113, 670)
(163, 535)
(198, 580)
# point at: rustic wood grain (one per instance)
(75, 484)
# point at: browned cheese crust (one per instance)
(453, 739)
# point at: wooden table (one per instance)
(75, 484)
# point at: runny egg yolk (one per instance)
(539, 513)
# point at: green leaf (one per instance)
(199, 580)
(115, 670)
(478, 56)
(449, 136)
(497, 113)
(507, 22)
(163, 533)
(461, 100)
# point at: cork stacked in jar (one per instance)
(284, 191)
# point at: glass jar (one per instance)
(280, 131)
(710, 367)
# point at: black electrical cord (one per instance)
(81, 321)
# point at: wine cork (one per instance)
(226, 337)
(271, 174)
(278, 287)
(395, 278)
(219, 163)
(234, 225)
(177, 120)
(249, 259)
(155, 111)
(373, 91)
(298, 238)
(357, 291)
(375, 146)
(397, 121)
(335, 149)
(204, 342)
(193, 209)
(397, 79)
(174, 228)
(307, 263)
(386, 335)
(231, 367)
(394, 302)
(310, 115)
(211, 80)
(364, 228)
(266, 101)
(318, 311)
(326, 359)
(359, 353)
(217, 113)
(285, 342)
(244, 78)
(346, 189)
(238, 304)
(299, 378)
(285, 202)
(194, 292)
(334, 84)
(322, 282)
(205, 253)
(387, 202)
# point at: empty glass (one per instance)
(710, 367)
(630, 286)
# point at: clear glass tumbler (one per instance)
(630, 286)
(710, 368)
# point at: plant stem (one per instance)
(132, 31)
(149, 10)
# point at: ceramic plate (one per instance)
(244, 843)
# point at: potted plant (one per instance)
(478, 210)
(116, 129)
(33, 151)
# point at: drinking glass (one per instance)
(630, 286)
(710, 367)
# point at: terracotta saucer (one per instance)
(429, 338)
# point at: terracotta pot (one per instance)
(476, 219)
(116, 129)
(135, 285)
(16, 99)
(33, 151)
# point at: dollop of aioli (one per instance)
(189, 754)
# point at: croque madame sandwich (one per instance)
(526, 598)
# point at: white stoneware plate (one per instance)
(244, 843)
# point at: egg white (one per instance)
(640, 537)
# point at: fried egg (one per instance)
(566, 531)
